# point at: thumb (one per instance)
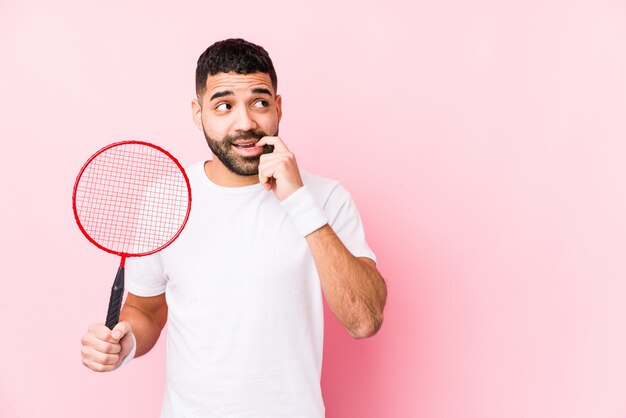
(120, 330)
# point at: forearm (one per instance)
(146, 324)
(354, 290)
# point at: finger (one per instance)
(276, 167)
(265, 172)
(268, 183)
(276, 156)
(120, 330)
(89, 353)
(100, 331)
(103, 346)
(279, 145)
(126, 345)
(97, 367)
(269, 171)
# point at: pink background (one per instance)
(483, 141)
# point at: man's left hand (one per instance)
(278, 171)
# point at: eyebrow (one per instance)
(261, 90)
(258, 90)
(221, 94)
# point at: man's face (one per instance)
(236, 111)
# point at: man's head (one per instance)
(237, 103)
(233, 56)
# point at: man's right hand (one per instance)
(104, 349)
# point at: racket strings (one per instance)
(132, 198)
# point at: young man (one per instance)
(241, 288)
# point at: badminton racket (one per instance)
(132, 199)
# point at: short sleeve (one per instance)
(145, 275)
(346, 222)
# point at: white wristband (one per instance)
(303, 210)
(130, 355)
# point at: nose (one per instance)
(244, 120)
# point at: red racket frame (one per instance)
(123, 254)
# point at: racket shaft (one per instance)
(115, 302)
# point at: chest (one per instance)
(241, 250)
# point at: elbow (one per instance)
(366, 329)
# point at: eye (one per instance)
(222, 107)
(261, 103)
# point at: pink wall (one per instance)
(483, 141)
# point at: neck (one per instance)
(222, 176)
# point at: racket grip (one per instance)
(115, 302)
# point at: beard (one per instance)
(238, 164)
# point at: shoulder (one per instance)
(324, 188)
(195, 170)
(319, 184)
(316, 181)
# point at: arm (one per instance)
(142, 319)
(147, 317)
(352, 286)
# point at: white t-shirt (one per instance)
(245, 321)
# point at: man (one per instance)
(241, 288)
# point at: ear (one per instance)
(279, 106)
(196, 113)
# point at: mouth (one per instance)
(245, 143)
(247, 147)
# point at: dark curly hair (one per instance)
(233, 55)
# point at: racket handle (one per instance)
(115, 303)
